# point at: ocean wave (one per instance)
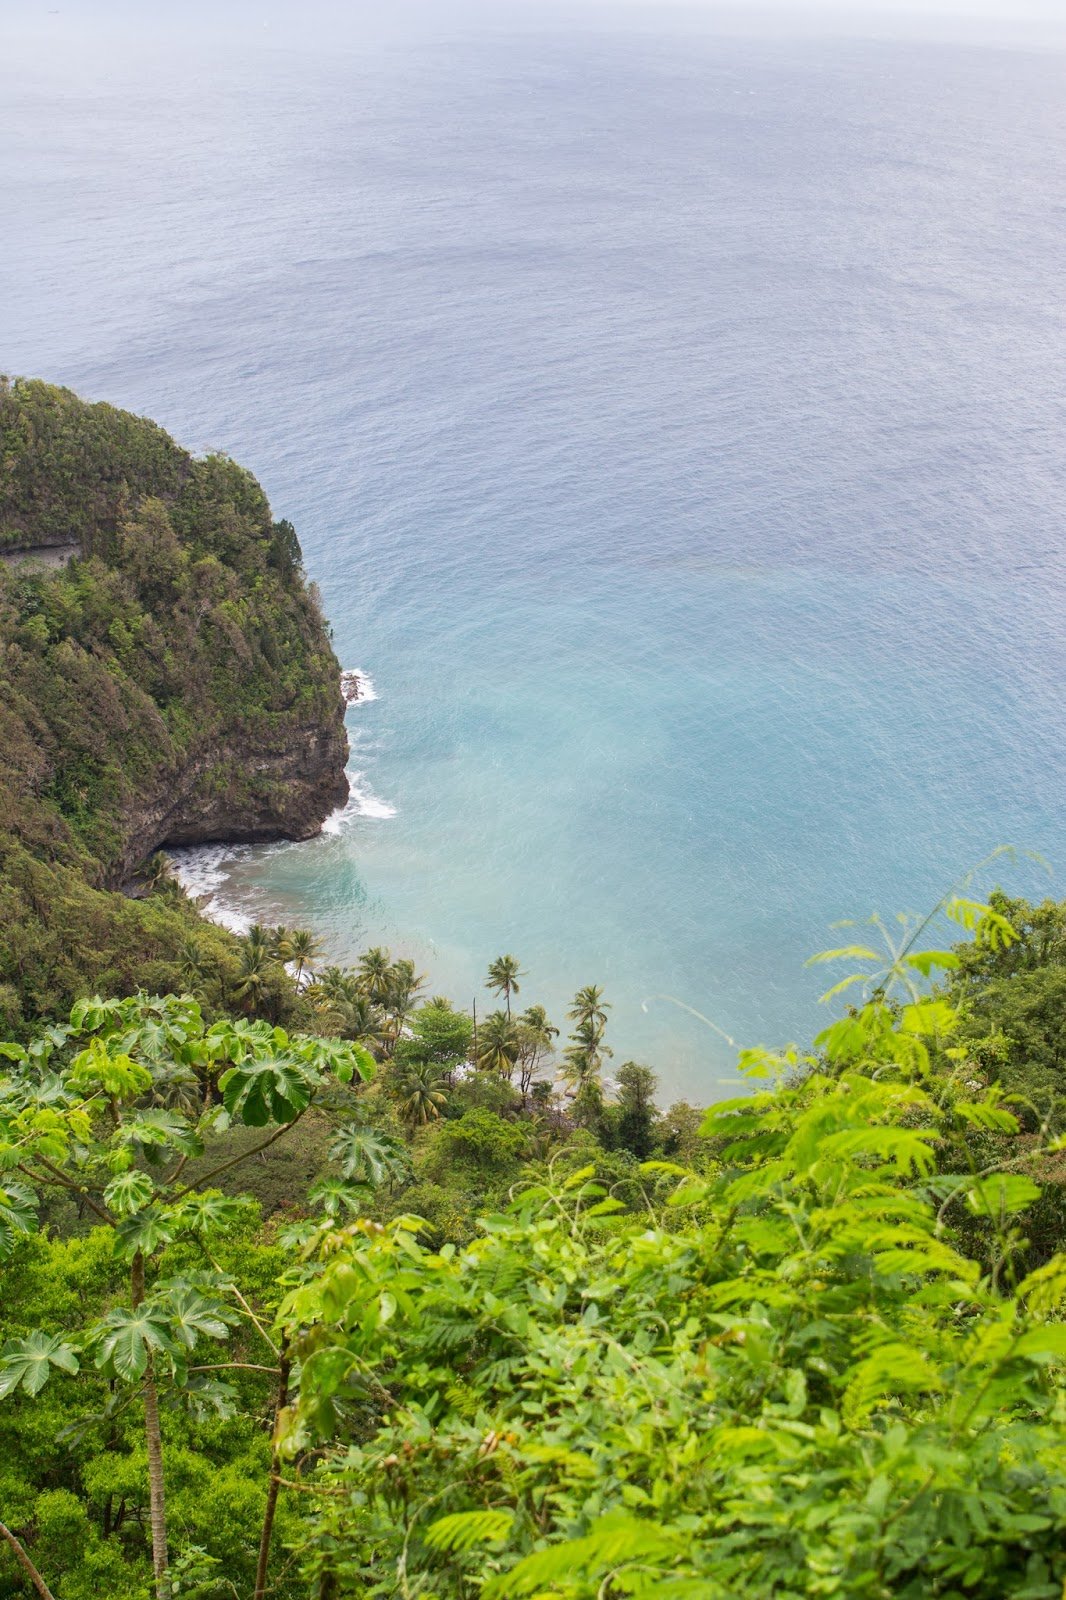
(201, 871)
(365, 691)
(361, 802)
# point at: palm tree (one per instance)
(279, 943)
(373, 971)
(590, 1006)
(191, 961)
(251, 975)
(336, 983)
(362, 1022)
(423, 1099)
(342, 1003)
(402, 988)
(584, 1057)
(260, 939)
(537, 1037)
(157, 874)
(498, 1044)
(302, 948)
(503, 977)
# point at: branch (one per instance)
(234, 1366)
(179, 1168)
(309, 1488)
(242, 1301)
(24, 1561)
(235, 1161)
(68, 1183)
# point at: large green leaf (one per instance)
(155, 1127)
(145, 1231)
(1001, 1194)
(18, 1214)
(28, 1363)
(125, 1339)
(191, 1314)
(272, 1090)
(369, 1155)
(128, 1193)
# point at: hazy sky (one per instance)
(1021, 24)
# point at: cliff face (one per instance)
(242, 793)
(174, 684)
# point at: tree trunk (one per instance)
(274, 1485)
(24, 1561)
(154, 1440)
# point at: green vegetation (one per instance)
(505, 1341)
(316, 1287)
(135, 686)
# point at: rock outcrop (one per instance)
(235, 793)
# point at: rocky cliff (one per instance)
(241, 792)
(175, 683)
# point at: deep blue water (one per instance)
(672, 419)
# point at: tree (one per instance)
(402, 987)
(373, 974)
(439, 1036)
(261, 941)
(589, 1009)
(157, 874)
(421, 1092)
(584, 1056)
(191, 959)
(536, 1044)
(636, 1114)
(250, 984)
(499, 1042)
(78, 1116)
(503, 977)
(303, 949)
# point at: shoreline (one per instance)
(201, 869)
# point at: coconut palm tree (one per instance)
(302, 949)
(336, 983)
(260, 939)
(362, 1022)
(422, 1099)
(402, 987)
(373, 972)
(344, 1008)
(157, 874)
(590, 1006)
(191, 961)
(498, 1044)
(251, 976)
(585, 1055)
(503, 977)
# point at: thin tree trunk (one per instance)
(24, 1561)
(274, 1485)
(154, 1440)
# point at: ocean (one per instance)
(671, 409)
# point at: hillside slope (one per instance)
(174, 683)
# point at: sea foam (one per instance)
(363, 685)
(201, 871)
(361, 802)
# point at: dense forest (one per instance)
(316, 1286)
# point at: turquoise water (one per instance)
(672, 420)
